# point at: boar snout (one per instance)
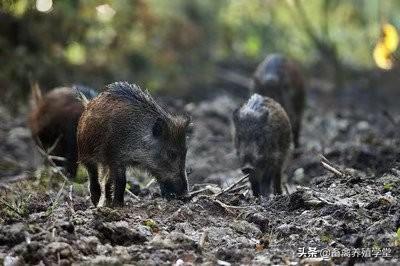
(175, 188)
(248, 169)
(271, 80)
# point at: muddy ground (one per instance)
(353, 209)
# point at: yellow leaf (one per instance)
(390, 37)
(382, 56)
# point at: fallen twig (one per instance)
(49, 159)
(151, 182)
(239, 188)
(240, 180)
(330, 166)
(132, 195)
(56, 200)
(203, 238)
(227, 207)
(230, 206)
(51, 149)
(389, 117)
(323, 200)
(69, 200)
(332, 169)
(196, 192)
(57, 158)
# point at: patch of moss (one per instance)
(326, 238)
(151, 224)
(388, 186)
(81, 175)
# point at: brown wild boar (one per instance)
(262, 137)
(123, 127)
(280, 78)
(54, 119)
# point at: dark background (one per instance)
(184, 48)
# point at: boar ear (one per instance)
(36, 94)
(188, 125)
(160, 128)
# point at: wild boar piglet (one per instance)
(262, 138)
(124, 126)
(280, 78)
(53, 121)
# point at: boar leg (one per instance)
(71, 165)
(108, 191)
(255, 184)
(272, 174)
(266, 182)
(296, 129)
(95, 189)
(117, 173)
(71, 153)
(277, 183)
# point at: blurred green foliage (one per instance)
(175, 45)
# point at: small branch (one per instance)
(226, 207)
(389, 117)
(196, 192)
(240, 180)
(57, 158)
(51, 149)
(49, 159)
(70, 202)
(232, 188)
(151, 182)
(330, 166)
(230, 206)
(53, 234)
(56, 200)
(239, 188)
(332, 169)
(132, 195)
(323, 200)
(203, 239)
(286, 189)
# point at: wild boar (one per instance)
(124, 126)
(262, 138)
(53, 120)
(280, 78)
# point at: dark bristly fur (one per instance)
(55, 116)
(280, 78)
(123, 127)
(262, 137)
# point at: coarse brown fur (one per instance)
(123, 127)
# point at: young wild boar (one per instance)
(123, 127)
(280, 78)
(54, 119)
(262, 137)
